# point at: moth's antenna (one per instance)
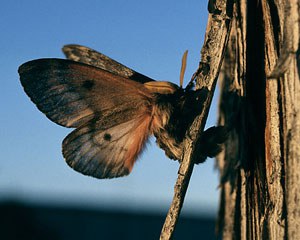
(183, 67)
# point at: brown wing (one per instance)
(91, 57)
(112, 114)
(71, 93)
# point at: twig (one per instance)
(217, 34)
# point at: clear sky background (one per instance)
(148, 36)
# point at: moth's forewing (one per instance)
(91, 57)
(71, 93)
(111, 113)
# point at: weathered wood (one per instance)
(260, 168)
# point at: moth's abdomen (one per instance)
(163, 139)
(164, 129)
(172, 148)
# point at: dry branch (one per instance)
(217, 32)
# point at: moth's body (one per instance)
(113, 109)
(176, 111)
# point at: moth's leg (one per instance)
(210, 143)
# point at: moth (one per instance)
(114, 110)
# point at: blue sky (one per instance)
(148, 36)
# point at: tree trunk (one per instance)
(260, 103)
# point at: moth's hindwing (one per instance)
(106, 153)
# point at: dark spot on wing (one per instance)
(88, 84)
(107, 137)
